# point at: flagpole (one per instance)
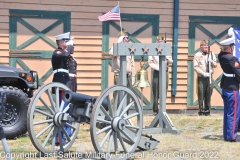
(120, 18)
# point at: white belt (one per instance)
(60, 70)
(72, 75)
(229, 75)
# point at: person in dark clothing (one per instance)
(72, 67)
(153, 62)
(230, 88)
(60, 71)
(59, 59)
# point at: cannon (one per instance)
(116, 126)
(112, 130)
(81, 105)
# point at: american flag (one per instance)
(114, 14)
(237, 43)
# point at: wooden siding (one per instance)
(4, 35)
(87, 31)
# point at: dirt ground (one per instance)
(200, 137)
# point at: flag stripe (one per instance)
(113, 14)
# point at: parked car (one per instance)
(19, 86)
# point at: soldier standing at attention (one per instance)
(72, 67)
(201, 66)
(230, 88)
(60, 69)
(153, 62)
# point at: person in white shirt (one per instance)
(153, 62)
(130, 68)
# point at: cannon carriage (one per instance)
(114, 130)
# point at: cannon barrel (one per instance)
(76, 98)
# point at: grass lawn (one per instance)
(199, 138)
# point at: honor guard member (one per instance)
(123, 38)
(59, 59)
(60, 69)
(230, 88)
(201, 66)
(153, 62)
(72, 67)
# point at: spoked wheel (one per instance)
(48, 126)
(119, 132)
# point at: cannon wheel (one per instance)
(112, 130)
(44, 122)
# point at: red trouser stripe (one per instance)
(234, 113)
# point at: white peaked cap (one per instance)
(228, 41)
(120, 39)
(230, 38)
(63, 36)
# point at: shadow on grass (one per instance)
(21, 136)
(213, 137)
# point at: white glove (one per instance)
(111, 51)
(206, 74)
(210, 60)
(70, 42)
(169, 59)
(230, 31)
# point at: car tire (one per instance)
(15, 121)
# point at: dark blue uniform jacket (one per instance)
(59, 60)
(229, 65)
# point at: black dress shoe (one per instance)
(58, 144)
(231, 140)
(155, 113)
(207, 114)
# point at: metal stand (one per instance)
(3, 100)
(142, 97)
(5, 145)
(161, 123)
